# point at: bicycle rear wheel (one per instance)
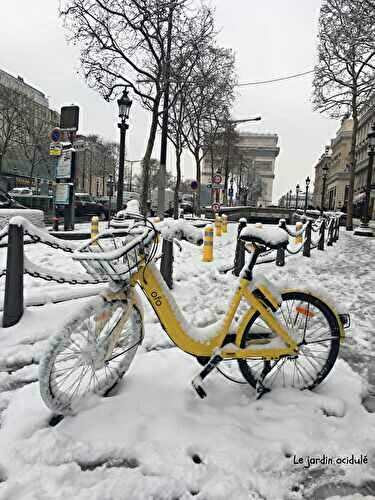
(313, 326)
(79, 360)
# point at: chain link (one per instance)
(61, 280)
(55, 245)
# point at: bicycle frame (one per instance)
(152, 283)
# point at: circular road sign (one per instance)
(55, 134)
(194, 185)
(215, 207)
(216, 179)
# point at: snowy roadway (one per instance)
(155, 439)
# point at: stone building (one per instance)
(336, 157)
(366, 120)
(255, 156)
(26, 154)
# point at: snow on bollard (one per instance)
(208, 244)
(298, 238)
(94, 226)
(218, 226)
(224, 219)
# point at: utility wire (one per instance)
(275, 79)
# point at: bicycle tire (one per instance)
(252, 368)
(80, 340)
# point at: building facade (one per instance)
(25, 121)
(366, 120)
(336, 158)
(252, 177)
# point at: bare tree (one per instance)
(124, 43)
(345, 74)
(209, 96)
(10, 103)
(33, 139)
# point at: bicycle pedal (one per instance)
(198, 387)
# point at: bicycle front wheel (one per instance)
(315, 328)
(90, 355)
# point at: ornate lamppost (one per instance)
(324, 177)
(297, 193)
(365, 229)
(307, 181)
(124, 104)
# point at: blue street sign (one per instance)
(56, 135)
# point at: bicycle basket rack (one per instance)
(114, 257)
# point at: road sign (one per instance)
(62, 194)
(194, 185)
(215, 207)
(64, 165)
(215, 186)
(55, 149)
(55, 134)
(69, 118)
(217, 179)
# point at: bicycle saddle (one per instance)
(271, 237)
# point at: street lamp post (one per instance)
(365, 230)
(307, 181)
(297, 193)
(124, 104)
(109, 194)
(324, 176)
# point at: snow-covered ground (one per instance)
(155, 439)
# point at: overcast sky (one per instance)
(271, 39)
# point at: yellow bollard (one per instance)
(224, 218)
(94, 226)
(208, 244)
(298, 238)
(218, 226)
(156, 219)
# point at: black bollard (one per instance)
(239, 257)
(13, 299)
(307, 242)
(337, 229)
(322, 235)
(166, 263)
(330, 234)
(280, 257)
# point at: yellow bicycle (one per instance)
(287, 338)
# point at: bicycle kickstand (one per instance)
(260, 388)
(198, 379)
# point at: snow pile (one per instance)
(36, 217)
(270, 236)
(155, 439)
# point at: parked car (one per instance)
(85, 204)
(6, 201)
(21, 191)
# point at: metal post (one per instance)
(13, 299)
(322, 235)
(307, 242)
(239, 258)
(120, 182)
(166, 263)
